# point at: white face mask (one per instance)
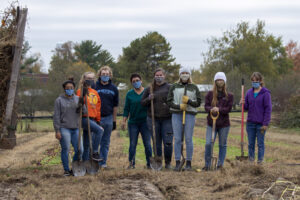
(184, 77)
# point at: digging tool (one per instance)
(213, 160)
(156, 161)
(78, 167)
(92, 166)
(242, 157)
(182, 161)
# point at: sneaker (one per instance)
(205, 168)
(96, 157)
(176, 168)
(220, 167)
(148, 166)
(188, 166)
(168, 166)
(68, 173)
(131, 166)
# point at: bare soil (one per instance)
(21, 178)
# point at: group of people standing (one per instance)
(169, 103)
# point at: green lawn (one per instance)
(38, 125)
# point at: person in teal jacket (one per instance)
(137, 122)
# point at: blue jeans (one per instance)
(134, 130)
(107, 124)
(253, 131)
(188, 134)
(223, 134)
(68, 136)
(96, 134)
(164, 134)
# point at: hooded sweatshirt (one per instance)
(65, 115)
(259, 107)
(161, 109)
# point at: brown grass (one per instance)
(238, 180)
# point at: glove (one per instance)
(98, 122)
(185, 99)
(183, 106)
(263, 129)
(78, 109)
(151, 97)
(114, 125)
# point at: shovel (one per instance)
(182, 161)
(156, 161)
(242, 157)
(214, 160)
(78, 167)
(92, 166)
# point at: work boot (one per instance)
(205, 168)
(131, 166)
(96, 157)
(188, 166)
(177, 167)
(168, 165)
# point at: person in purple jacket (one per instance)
(218, 100)
(259, 106)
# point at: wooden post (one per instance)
(8, 138)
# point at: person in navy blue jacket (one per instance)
(109, 96)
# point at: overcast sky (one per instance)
(186, 24)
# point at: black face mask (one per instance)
(89, 83)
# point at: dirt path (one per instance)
(237, 181)
(30, 146)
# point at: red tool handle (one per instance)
(242, 125)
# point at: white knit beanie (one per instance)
(220, 75)
(184, 69)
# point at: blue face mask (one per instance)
(104, 78)
(137, 84)
(255, 85)
(69, 92)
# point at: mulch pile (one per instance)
(8, 31)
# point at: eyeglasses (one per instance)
(137, 80)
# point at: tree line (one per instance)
(238, 52)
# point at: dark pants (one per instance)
(134, 130)
(164, 134)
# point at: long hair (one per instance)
(214, 101)
(83, 77)
(153, 84)
(258, 77)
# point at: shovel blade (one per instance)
(213, 164)
(156, 163)
(92, 167)
(78, 168)
(181, 164)
(242, 158)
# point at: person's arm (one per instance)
(56, 119)
(115, 109)
(196, 103)
(171, 98)
(98, 106)
(267, 109)
(145, 101)
(125, 112)
(226, 109)
(207, 105)
(246, 103)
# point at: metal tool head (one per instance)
(156, 163)
(182, 161)
(78, 168)
(213, 164)
(242, 158)
(92, 167)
